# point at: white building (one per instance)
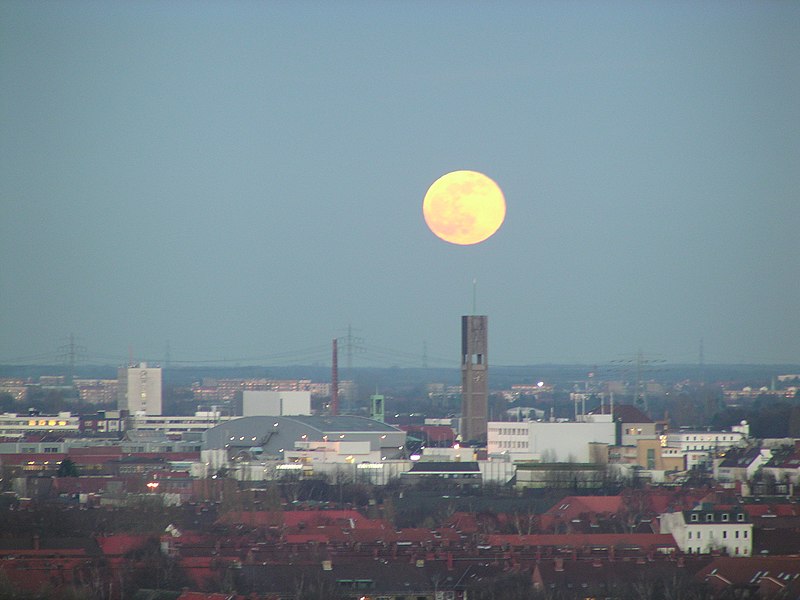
(17, 426)
(550, 441)
(704, 529)
(700, 446)
(178, 424)
(139, 389)
(275, 403)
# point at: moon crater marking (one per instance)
(464, 207)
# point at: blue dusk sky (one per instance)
(244, 180)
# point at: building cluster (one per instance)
(593, 541)
(587, 546)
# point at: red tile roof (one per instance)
(645, 541)
(573, 506)
(119, 544)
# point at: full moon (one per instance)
(464, 207)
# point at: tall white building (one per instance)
(139, 389)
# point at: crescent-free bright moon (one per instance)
(464, 207)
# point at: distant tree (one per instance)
(794, 422)
(6, 403)
(67, 468)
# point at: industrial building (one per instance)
(259, 403)
(271, 436)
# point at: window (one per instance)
(725, 535)
(737, 549)
(725, 517)
(740, 517)
(745, 534)
(690, 535)
(694, 517)
(737, 534)
(699, 534)
(709, 517)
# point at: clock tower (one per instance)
(474, 377)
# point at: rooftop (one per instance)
(345, 423)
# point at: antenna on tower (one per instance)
(702, 364)
(69, 353)
(334, 408)
(474, 296)
(352, 345)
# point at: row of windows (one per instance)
(725, 517)
(699, 550)
(14, 423)
(715, 438)
(509, 430)
(724, 534)
(512, 444)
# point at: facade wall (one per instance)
(650, 454)
(702, 537)
(633, 432)
(474, 377)
(275, 403)
(549, 441)
(705, 440)
(14, 425)
(140, 389)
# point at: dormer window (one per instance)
(740, 517)
(725, 517)
(694, 518)
(709, 517)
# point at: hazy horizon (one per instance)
(243, 181)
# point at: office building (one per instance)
(139, 389)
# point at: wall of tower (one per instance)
(474, 377)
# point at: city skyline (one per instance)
(246, 181)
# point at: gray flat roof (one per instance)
(341, 423)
